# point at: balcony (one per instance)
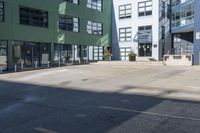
(183, 16)
(180, 3)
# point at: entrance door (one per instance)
(32, 54)
(145, 49)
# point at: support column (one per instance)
(81, 56)
(10, 55)
(196, 32)
(52, 54)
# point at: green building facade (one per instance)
(36, 33)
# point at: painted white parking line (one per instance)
(150, 113)
(44, 130)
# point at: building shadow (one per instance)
(31, 108)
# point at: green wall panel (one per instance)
(12, 30)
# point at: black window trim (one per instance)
(145, 8)
(3, 11)
(125, 37)
(92, 29)
(27, 7)
(71, 1)
(73, 26)
(125, 11)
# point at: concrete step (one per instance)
(131, 62)
(178, 60)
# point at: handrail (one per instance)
(182, 50)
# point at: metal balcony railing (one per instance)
(182, 50)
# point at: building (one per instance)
(184, 19)
(136, 28)
(39, 33)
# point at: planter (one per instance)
(132, 58)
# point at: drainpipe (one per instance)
(196, 32)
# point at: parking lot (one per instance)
(104, 97)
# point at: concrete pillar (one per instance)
(10, 55)
(52, 54)
(196, 32)
(81, 56)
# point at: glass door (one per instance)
(145, 49)
(3, 55)
(32, 54)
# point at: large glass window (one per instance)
(3, 55)
(125, 34)
(95, 28)
(124, 51)
(145, 8)
(145, 34)
(18, 52)
(31, 53)
(63, 53)
(183, 16)
(125, 11)
(34, 17)
(73, 1)
(2, 11)
(68, 23)
(98, 53)
(145, 40)
(95, 4)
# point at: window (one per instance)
(94, 28)
(163, 9)
(145, 34)
(125, 34)
(163, 32)
(34, 17)
(73, 1)
(68, 23)
(183, 16)
(3, 55)
(63, 53)
(124, 51)
(31, 52)
(95, 4)
(145, 8)
(98, 53)
(1, 11)
(125, 11)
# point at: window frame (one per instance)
(30, 15)
(73, 2)
(125, 14)
(95, 5)
(145, 8)
(92, 29)
(67, 24)
(3, 10)
(125, 37)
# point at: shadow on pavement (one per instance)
(28, 108)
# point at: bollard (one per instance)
(1, 69)
(22, 65)
(36, 64)
(79, 60)
(59, 63)
(15, 68)
(48, 65)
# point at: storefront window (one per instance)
(3, 55)
(44, 56)
(63, 53)
(31, 54)
(18, 52)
